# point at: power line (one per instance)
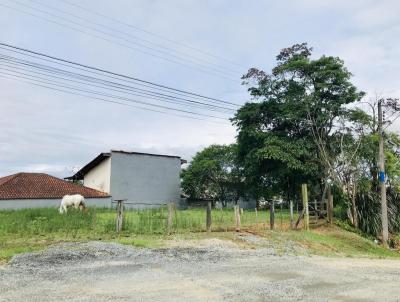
(152, 34)
(115, 74)
(108, 101)
(196, 66)
(55, 82)
(69, 88)
(391, 122)
(46, 81)
(134, 37)
(140, 84)
(107, 84)
(217, 70)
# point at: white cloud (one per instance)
(46, 131)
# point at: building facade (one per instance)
(140, 178)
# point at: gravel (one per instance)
(202, 270)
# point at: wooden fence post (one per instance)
(330, 205)
(120, 214)
(255, 209)
(316, 213)
(237, 218)
(291, 214)
(272, 215)
(208, 222)
(304, 195)
(234, 214)
(170, 217)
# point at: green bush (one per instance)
(369, 211)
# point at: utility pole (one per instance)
(382, 180)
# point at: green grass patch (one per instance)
(34, 229)
(334, 241)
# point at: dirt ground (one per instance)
(198, 270)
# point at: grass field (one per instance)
(33, 229)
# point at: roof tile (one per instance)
(40, 185)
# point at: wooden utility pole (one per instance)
(208, 222)
(304, 195)
(382, 182)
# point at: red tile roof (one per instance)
(42, 186)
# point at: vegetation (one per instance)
(286, 136)
(33, 229)
(333, 241)
(305, 124)
(213, 174)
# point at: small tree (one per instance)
(213, 173)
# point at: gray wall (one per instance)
(15, 204)
(145, 178)
(247, 203)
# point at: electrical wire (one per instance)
(103, 71)
(175, 42)
(196, 67)
(224, 68)
(37, 83)
(125, 80)
(110, 85)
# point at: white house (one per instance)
(141, 178)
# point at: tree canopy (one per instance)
(213, 174)
(285, 135)
(304, 123)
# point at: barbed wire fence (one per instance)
(166, 218)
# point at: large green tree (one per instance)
(286, 134)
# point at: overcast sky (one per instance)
(46, 131)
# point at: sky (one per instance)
(56, 133)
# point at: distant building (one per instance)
(39, 190)
(138, 177)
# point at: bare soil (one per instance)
(194, 270)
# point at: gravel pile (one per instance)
(65, 253)
(204, 270)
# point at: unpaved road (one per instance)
(208, 270)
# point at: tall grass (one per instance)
(369, 212)
(45, 221)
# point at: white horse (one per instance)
(77, 201)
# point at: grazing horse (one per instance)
(77, 201)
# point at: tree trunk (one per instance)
(223, 202)
(354, 206)
(324, 191)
